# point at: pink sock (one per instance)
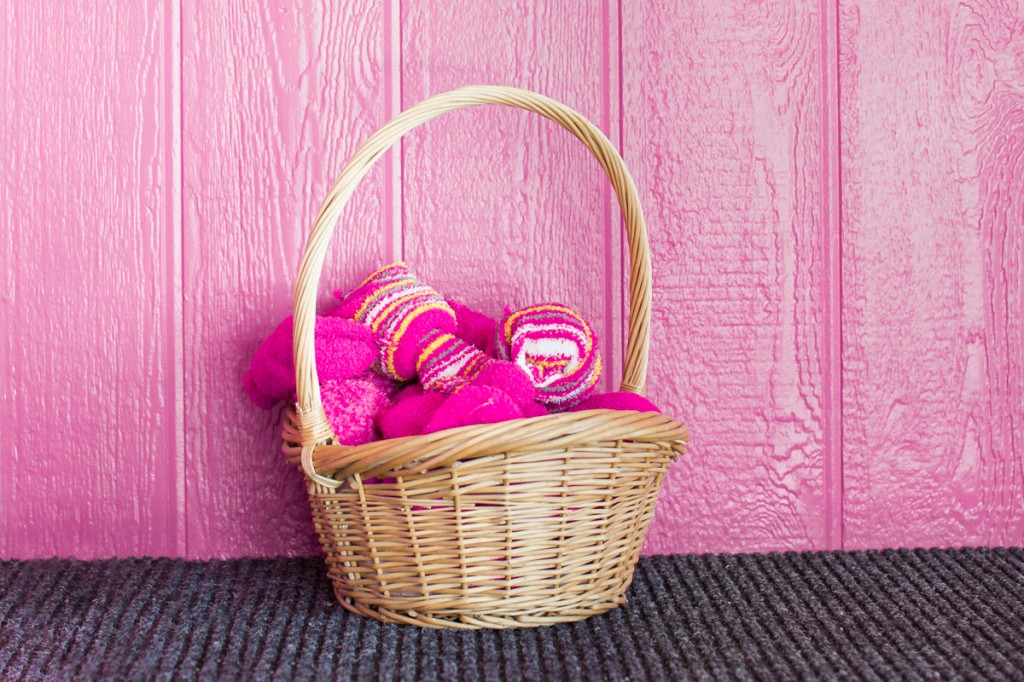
(510, 379)
(472, 327)
(447, 363)
(400, 310)
(350, 406)
(343, 349)
(534, 409)
(556, 347)
(409, 414)
(618, 400)
(473, 405)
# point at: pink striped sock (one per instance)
(402, 312)
(447, 363)
(556, 347)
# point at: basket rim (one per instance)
(563, 430)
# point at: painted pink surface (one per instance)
(162, 162)
(933, 283)
(500, 206)
(88, 261)
(274, 101)
(723, 124)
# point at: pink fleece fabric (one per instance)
(618, 400)
(400, 310)
(351, 405)
(416, 411)
(389, 387)
(474, 327)
(473, 405)
(509, 378)
(534, 410)
(556, 347)
(343, 349)
(408, 416)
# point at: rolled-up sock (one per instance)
(617, 400)
(344, 349)
(351, 303)
(556, 347)
(351, 406)
(510, 379)
(400, 311)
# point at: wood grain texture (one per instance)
(87, 381)
(161, 163)
(276, 97)
(933, 235)
(722, 126)
(500, 206)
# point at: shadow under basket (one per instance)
(522, 523)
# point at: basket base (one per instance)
(477, 621)
(508, 539)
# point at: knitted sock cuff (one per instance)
(447, 363)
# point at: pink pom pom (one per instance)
(473, 405)
(350, 406)
(618, 400)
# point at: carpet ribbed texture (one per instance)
(938, 614)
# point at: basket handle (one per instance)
(309, 410)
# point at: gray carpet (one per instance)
(856, 615)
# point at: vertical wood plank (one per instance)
(933, 235)
(87, 305)
(502, 207)
(831, 280)
(722, 126)
(276, 97)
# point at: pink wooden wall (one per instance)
(835, 195)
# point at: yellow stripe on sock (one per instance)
(370, 300)
(404, 327)
(432, 348)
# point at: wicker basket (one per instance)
(522, 523)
